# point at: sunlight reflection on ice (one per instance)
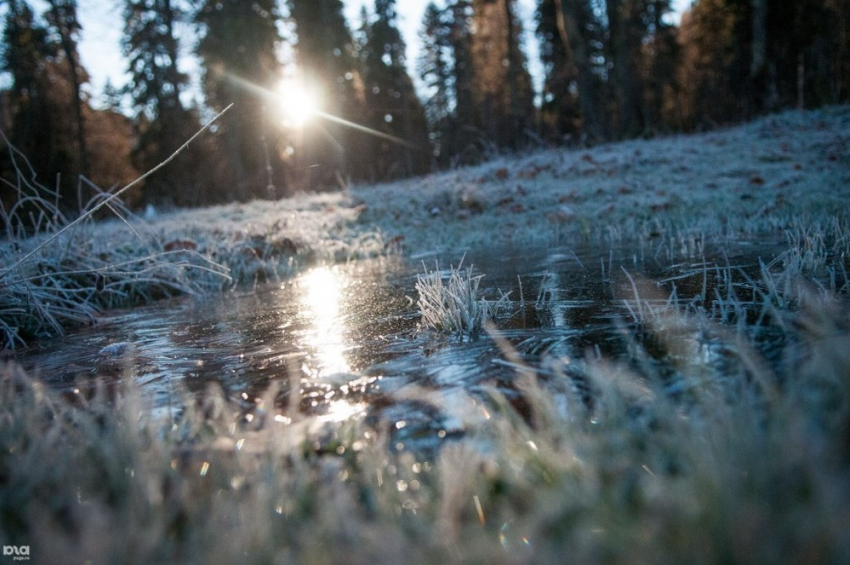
(342, 410)
(323, 296)
(324, 299)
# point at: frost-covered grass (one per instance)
(784, 173)
(59, 271)
(456, 306)
(742, 182)
(94, 267)
(692, 449)
(736, 462)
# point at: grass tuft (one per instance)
(456, 306)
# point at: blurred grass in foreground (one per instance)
(746, 465)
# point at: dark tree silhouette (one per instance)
(394, 108)
(560, 113)
(327, 61)
(237, 49)
(446, 66)
(436, 70)
(625, 33)
(62, 20)
(42, 115)
(163, 124)
(40, 104)
(502, 87)
(612, 69)
(25, 55)
(573, 27)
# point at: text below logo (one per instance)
(17, 552)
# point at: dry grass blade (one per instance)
(112, 197)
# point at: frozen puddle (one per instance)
(347, 335)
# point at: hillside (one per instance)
(743, 180)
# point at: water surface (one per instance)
(343, 340)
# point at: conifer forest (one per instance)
(611, 70)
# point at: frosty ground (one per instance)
(757, 179)
(751, 179)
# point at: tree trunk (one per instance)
(514, 118)
(570, 17)
(758, 55)
(464, 76)
(76, 102)
(621, 26)
(168, 17)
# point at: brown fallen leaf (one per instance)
(180, 245)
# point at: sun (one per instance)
(298, 102)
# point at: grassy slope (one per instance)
(751, 178)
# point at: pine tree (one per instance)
(237, 49)
(460, 42)
(625, 38)
(502, 89)
(560, 111)
(151, 48)
(24, 56)
(391, 99)
(659, 61)
(716, 57)
(41, 100)
(838, 50)
(435, 70)
(621, 58)
(39, 105)
(804, 53)
(62, 20)
(446, 67)
(580, 35)
(162, 122)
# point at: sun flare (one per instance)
(298, 103)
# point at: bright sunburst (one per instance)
(298, 102)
